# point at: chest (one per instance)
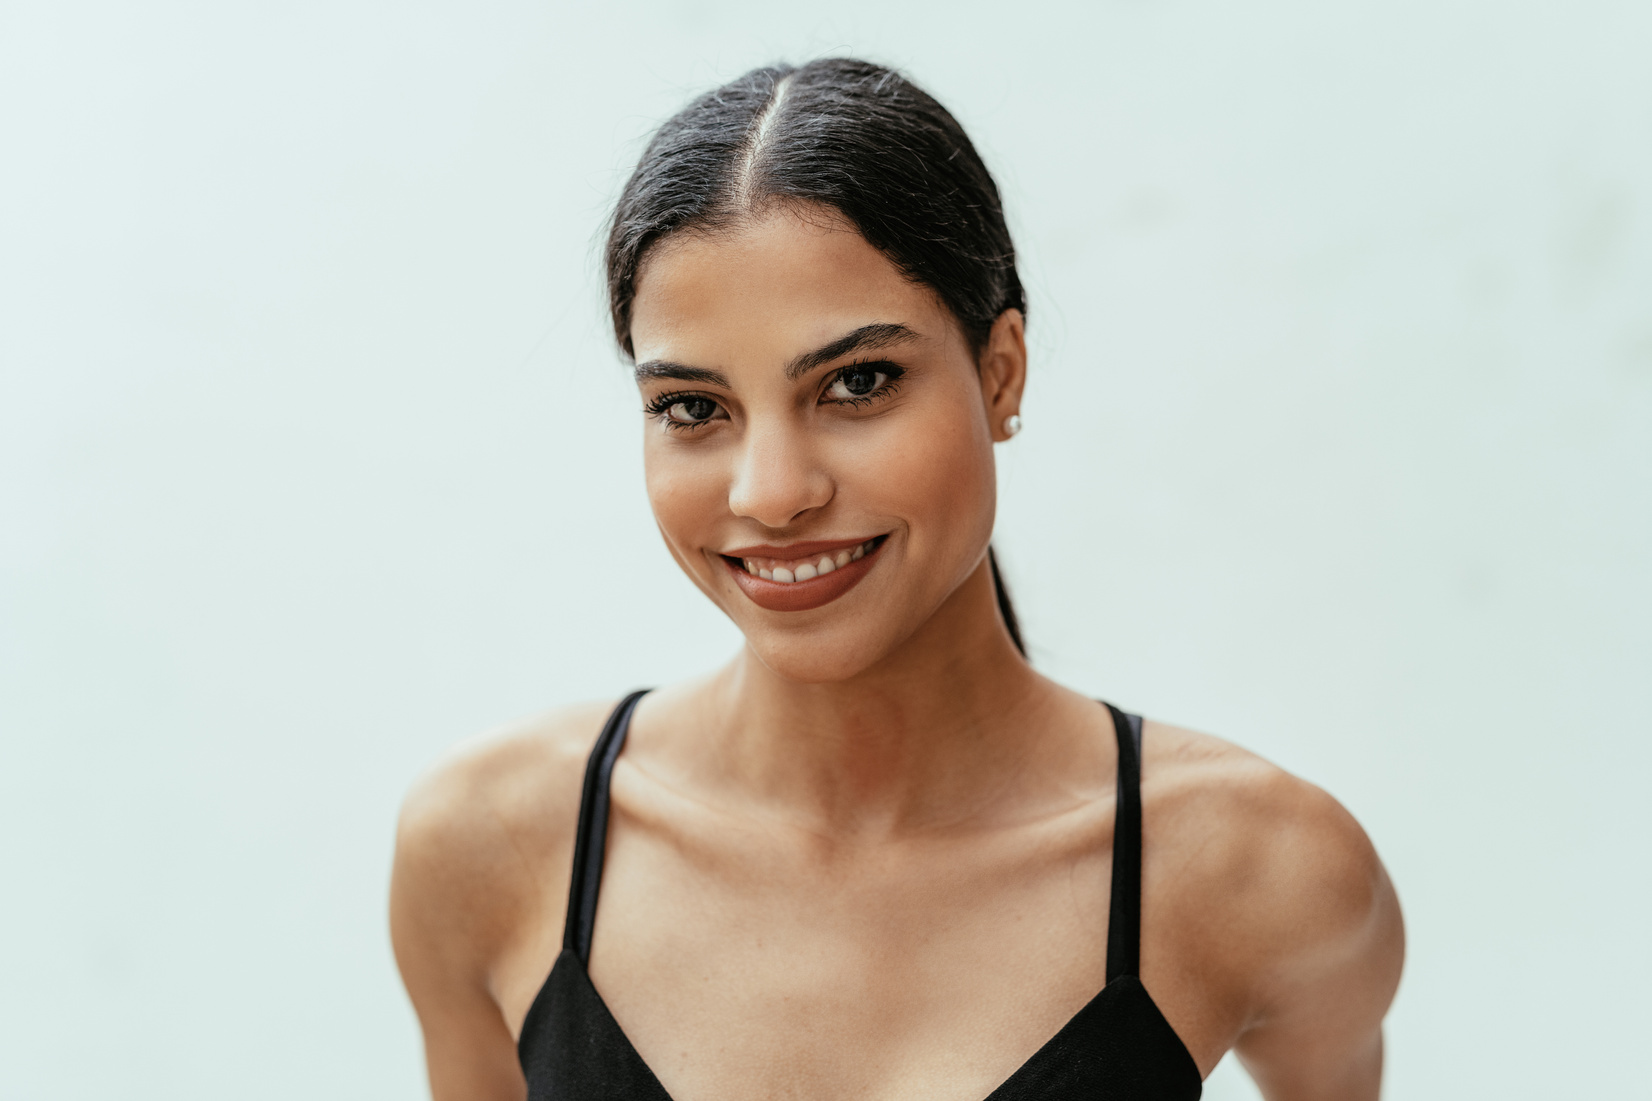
(754, 967)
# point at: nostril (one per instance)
(776, 493)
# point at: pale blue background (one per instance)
(314, 458)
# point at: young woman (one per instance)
(876, 856)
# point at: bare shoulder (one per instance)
(483, 839)
(1266, 877)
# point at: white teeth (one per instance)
(808, 571)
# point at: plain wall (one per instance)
(315, 458)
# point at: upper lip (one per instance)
(797, 550)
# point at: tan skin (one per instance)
(869, 857)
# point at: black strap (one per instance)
(591, 841)
(1124, 910)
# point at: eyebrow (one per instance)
(879, 334)
(664, 368)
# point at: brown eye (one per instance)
(855, 382)
(691, 410)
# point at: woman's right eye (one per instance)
(687, 411)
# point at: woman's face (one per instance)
(819, 436)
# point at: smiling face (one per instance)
(819, 439)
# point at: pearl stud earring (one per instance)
(1012, 424)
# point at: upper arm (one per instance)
(444, 937)
(482, 853)
(1328, 948)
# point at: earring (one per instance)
(1012, 424)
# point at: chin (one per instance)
(818, 657)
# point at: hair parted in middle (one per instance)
(855, 137)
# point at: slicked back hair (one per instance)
(839, 133)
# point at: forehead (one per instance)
(768, 290)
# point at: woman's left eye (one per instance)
(856, 382)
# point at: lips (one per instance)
(819, 572)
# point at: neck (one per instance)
(931, 734)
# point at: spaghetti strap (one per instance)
(1124, 907)
(1118, 1046)
(590, 843)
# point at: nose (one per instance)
(777, 477)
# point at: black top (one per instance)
(1118, 1047)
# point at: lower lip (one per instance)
(800, 596)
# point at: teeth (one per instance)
(807, 571)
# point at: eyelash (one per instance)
(658, 407)
(892, 376)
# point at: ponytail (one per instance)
(1005, 608)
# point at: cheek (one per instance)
(938, 473)
(684, 494)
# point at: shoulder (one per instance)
(504, 778)
(1259, 822)
(1269, 877)
(484, 839)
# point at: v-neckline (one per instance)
(1120, 989)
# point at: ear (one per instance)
(1003, 369)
